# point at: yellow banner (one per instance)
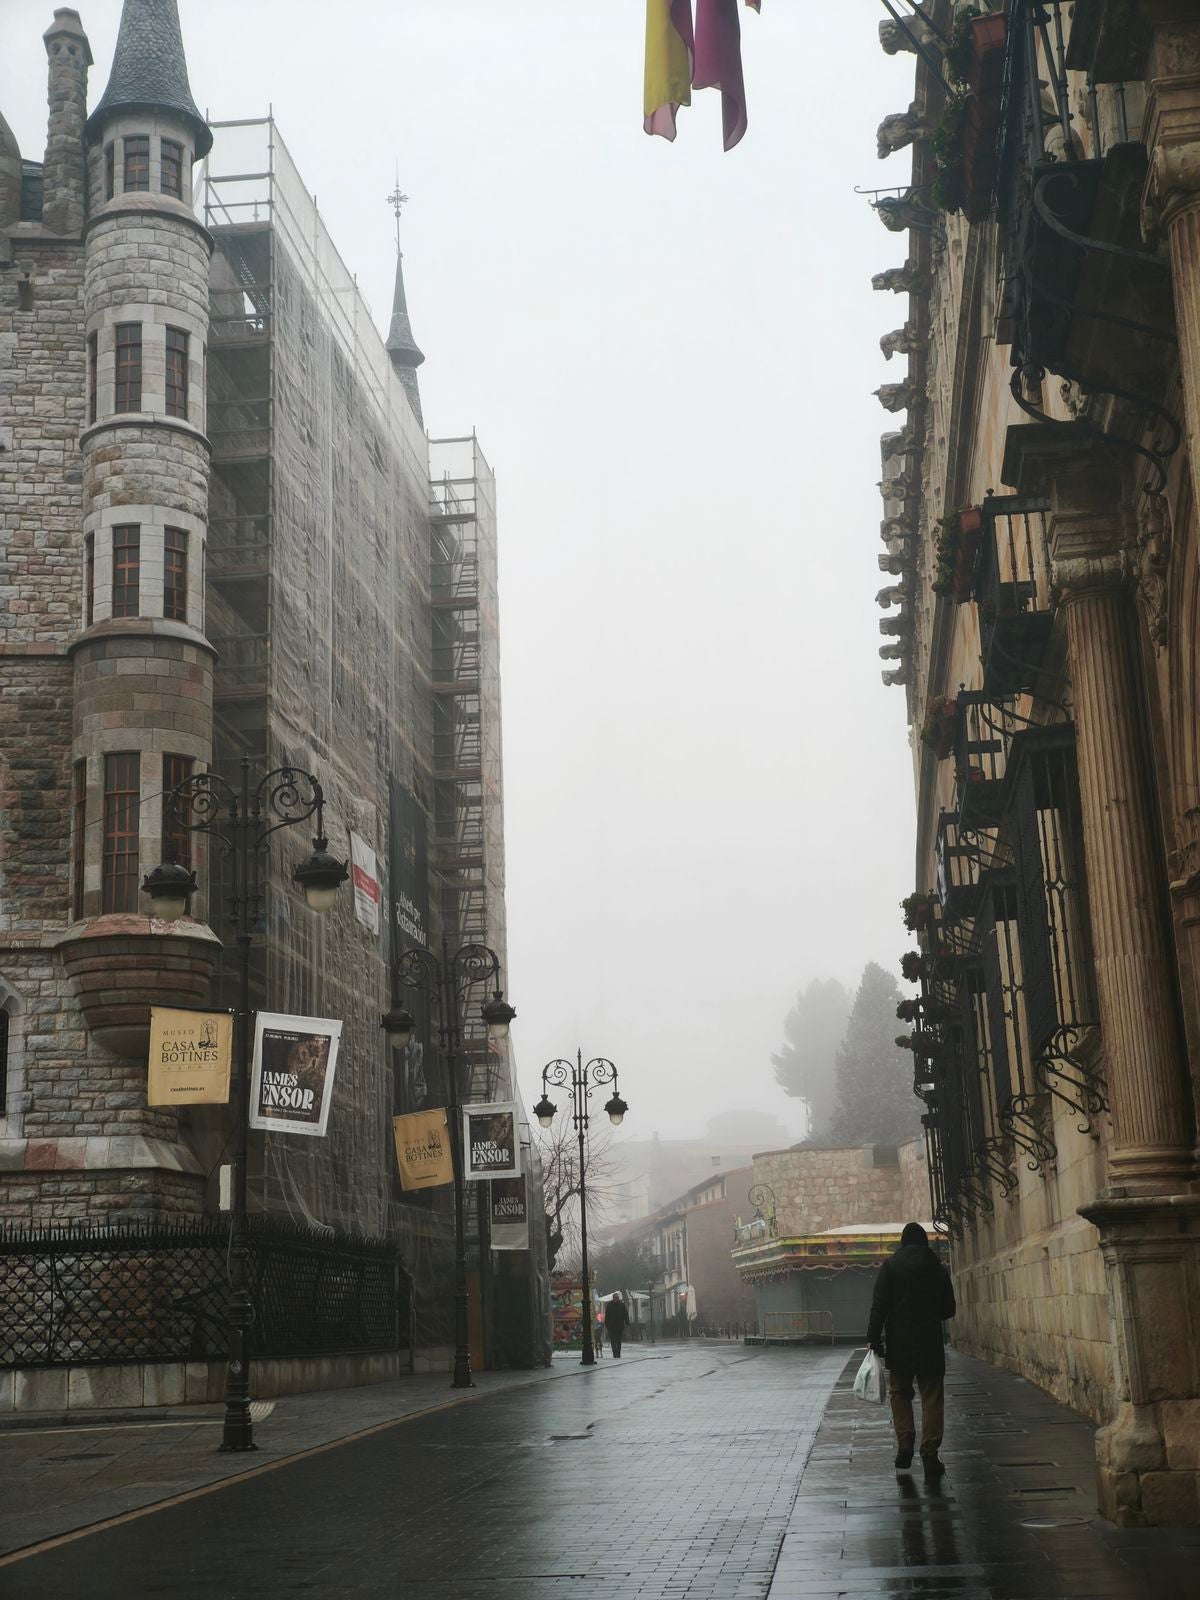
(190, 1052)
(423, 1149)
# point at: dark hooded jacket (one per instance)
(615, 1317)
(913, 1296)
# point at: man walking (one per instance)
(913, 1296)
(615, 1318)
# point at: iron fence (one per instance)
(157, 1291)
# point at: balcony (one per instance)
(1085, 298)
(1013, 591)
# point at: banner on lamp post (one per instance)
(364, 871)
(490, 1141)
(509, 1213)
(190, 1053)
(423, 1149)
(291, 1081)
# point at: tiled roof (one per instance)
(149, 70)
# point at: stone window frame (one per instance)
(93, 378)
(120, 864)
(153, 522)
(132, 384)
(89, 579)
(159, 130)
(175, 573)
(132, 160)
(12, 1004)
(176, 358)
(170, 164)
(153, 322)
(79, 789)
(126, 590)
(176, 845)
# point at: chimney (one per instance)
(63, 175)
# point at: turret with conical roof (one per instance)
(405, 353)
(149, 71)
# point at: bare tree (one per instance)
(559, 1148)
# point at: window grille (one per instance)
(137, 162)
(122, 818)
(171, 166)
(177, 373)
(129, 366)
(1013, 1086)
(78, 837)
(126, 570)
(177, 812)
(175, 574)
(1013, 593)
(1060, 1003)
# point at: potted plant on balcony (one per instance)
(956, 553)
(975, 54)
(918, 912)
(908, 1010)
(938, 729)
(912, 965)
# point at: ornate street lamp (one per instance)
(582, 1078)
(446, 982)
(242, 820)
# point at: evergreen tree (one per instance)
(805, 1065)
(875, 1102)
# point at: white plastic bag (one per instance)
(871, 1383)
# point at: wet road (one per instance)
(705, 1473)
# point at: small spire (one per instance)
(149, 70)
(405, 353)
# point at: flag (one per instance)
(670, 53)
(718, 62)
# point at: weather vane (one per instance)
(397, 200)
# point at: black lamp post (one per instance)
(582, 1078)
(242, 819)
(760, 1195)
(446, 983)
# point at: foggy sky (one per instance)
(668, 353)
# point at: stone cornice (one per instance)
(1172, 137)
(123, 209)
(156, 628)
(144, 419)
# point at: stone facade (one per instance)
(1055, 1016)
(818, 1189)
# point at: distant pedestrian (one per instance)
(615, 1318)
(913, 1296)
(598, 1334)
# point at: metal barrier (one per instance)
(791, 1325)
(158, 1292)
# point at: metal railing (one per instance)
(158, 1292)
(797, 1325)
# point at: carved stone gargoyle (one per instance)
(895, 40)
(899, 129)
(902, 341)
(896, 396)
(908, 279)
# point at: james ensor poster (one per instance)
(490, 1141)
(189, 1057)
(423, 1149)
(292, 1077)
(510, 1214)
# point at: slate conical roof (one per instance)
(149, 70)
(406, 354)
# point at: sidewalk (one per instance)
(1013, 1519)
(63, 1472)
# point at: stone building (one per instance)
(823, 1221)
(226, 538)
(1042, 545)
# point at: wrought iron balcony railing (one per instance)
(1013, 592)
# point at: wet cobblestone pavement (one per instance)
(707, 1472)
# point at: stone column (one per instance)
(1148, 1215)
(1171, 202)
(62, 175)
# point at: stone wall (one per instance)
(820, 1189)
(721, 1297)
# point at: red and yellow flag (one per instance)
(670, 54)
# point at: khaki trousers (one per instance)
(900, 1392)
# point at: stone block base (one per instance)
(133, 1385)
